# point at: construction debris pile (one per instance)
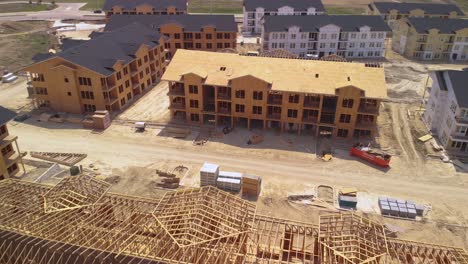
(210, 175)
(79, 221)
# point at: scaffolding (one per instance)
(202, 225)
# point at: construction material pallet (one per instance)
(67, 159)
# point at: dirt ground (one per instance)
(287, 163)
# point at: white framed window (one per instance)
(274, 45)
(282, 36)
(362, 45)
(303, 45)
(304, 36)
(381, 35)
(332, 45)
(377, 53)
(370, 54)
(292, 45)
(302, 54)
(364, 36)
(459, 39)
(310, 45)
(334, 36)
(274, 36)
(371, 44)
(378, 44)
(322, 45)
(352, 44)
(361, 54)
(293, 36)
(353, 35)
(428, 56)
(281, 45)
(456, 47)
(323, 36)
(373, 35)
(350, 54)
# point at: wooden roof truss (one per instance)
(190, 226)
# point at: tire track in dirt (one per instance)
(402, 132)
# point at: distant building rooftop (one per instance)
(290, 75)
(269, 5)
(447, 26)
(428, 8)
(314, 23)
(193, 23)
(459, 81)
(158, 4)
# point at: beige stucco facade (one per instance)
(56, 82)
(10, 156)
(393, 15)
(429, 45)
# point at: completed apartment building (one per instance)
(392, 11)
(256, 10)
(10, 156)
(351, 36)
(431, 38)
(199, 32)
(104, 73)
(446, 113)
(145, 7)
(303, 96)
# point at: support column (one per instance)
(21, 158)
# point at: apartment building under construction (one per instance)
(10, 156)
(80, 221)
(104, 73)
(306, 96)
(198, 32)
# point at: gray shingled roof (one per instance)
(273, 5)
(181, 5)
(429, 8)
(6, 115)
(422, 24)
(459, 80)
(101, 53)
(314, 23)
(192, 23)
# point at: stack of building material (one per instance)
(400, 208)
(251, 185)
(101, 119)
(347, 198)
(229, 181)
(209, 174)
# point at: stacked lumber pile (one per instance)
(251, 185)
(168, 180)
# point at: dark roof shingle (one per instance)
(192, 23)
(423, 24)
(459, 81)
(273, 5)
(314, 23)
(6, 115)
(101, 53)
(181, 5)
(428, 8)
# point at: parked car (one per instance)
(9, 77)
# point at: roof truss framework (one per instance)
(134, 230)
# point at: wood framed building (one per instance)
(104, 73)
(10, 155)
(431, 38)
(145, 7)
(307, 96)
(199, 32)
(392, 11)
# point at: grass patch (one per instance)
(23, 7)
(463, 4)
(215, 6)
(17, 51)
(342, 10)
